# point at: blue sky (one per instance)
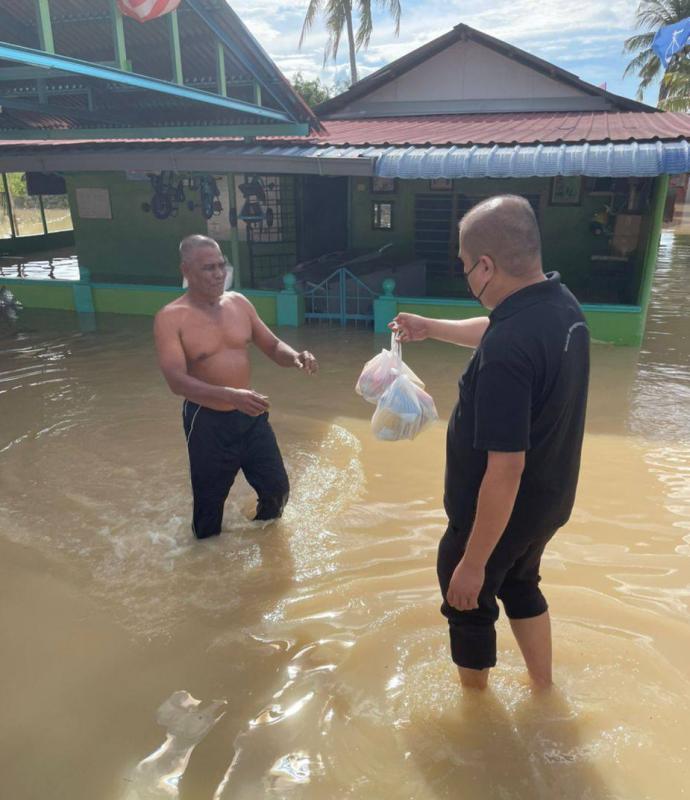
(585, 38)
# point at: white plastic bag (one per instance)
(403, 411)
(380, 372)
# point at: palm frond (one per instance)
(640, 62)
(335, 24)
(394, 7)
(309, 18)
(639, 42)
(366, 24)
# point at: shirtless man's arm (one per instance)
(277, 350)
(173, 364)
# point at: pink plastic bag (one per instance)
(380, 372)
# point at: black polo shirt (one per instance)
(525, 388)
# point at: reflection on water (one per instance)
(64, 266)
(322, 632)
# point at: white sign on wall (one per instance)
(94, 204)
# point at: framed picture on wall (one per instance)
(566, 190)
(441, 185)
(383, 185)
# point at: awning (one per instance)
(632, 159)
(184, 156)
(597, 160)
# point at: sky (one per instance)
(585, 38)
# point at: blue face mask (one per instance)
(467, 274)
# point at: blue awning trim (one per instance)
(633, 159)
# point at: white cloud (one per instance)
(588, 37)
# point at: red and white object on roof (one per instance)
(144, 10)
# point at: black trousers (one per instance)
(220, 443)
(512, 576)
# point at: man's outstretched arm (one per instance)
(465, 332)
(276, 349)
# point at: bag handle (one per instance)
(396, 349)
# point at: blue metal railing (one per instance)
(342, 297)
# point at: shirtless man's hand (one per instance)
(202, 339)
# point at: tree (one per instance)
(652, 15)
(313, 92)
(339, 17)
(676, 88)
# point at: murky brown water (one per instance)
(322, 633)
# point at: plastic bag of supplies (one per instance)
(380, 372)
(403, 411)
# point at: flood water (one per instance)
(308, 659)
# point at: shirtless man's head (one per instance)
(204, 266)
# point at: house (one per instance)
(359, 207)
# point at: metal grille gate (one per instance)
(342, 297)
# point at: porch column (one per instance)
(234, 233)
(652, 247)
(385, 307)
(290, 303)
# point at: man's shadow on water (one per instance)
(481, 750)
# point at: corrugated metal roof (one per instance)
(82, 29)
(599, 127)
(518, 161)
(510, 128)
(514, 161)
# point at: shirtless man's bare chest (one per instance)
(215, 340)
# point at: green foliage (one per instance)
(16, 182)
(313, 92)
(652, 15)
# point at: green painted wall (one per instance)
(133, 246)
(41, 294)
(567, 240)
(115, 299)
(623, 325)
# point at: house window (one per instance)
(24, 214)
(382, 217)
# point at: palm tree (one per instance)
(652, 15)
(676, 88)
(339, 16)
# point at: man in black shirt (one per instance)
(514, 437)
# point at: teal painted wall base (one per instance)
(104, 298)
(83, 298)
(385, 308)
(622, 325)
(290, 304)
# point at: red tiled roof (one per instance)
(509, 128)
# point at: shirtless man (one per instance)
(202, 339)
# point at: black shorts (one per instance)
(220, 443)
(512, 575)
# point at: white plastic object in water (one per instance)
(157, 777)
